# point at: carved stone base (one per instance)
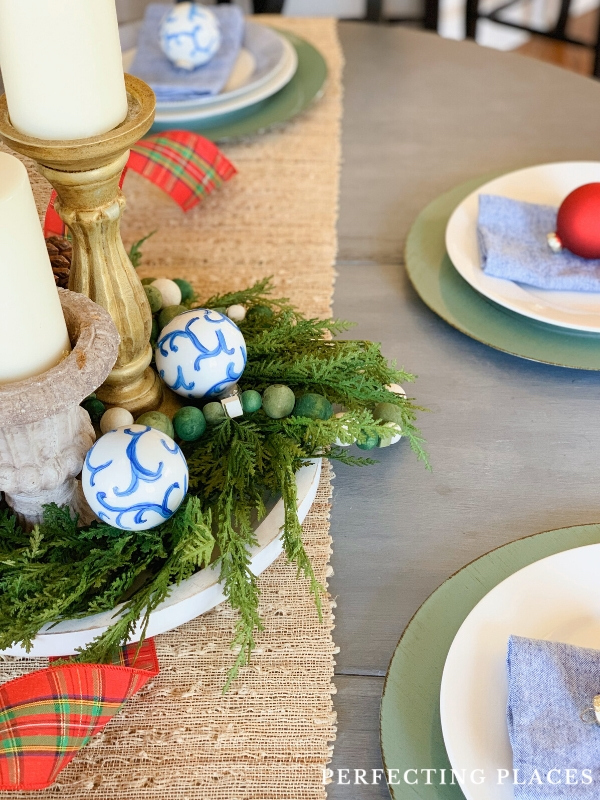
(44, 432)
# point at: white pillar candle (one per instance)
(62, 67)
(33, 332)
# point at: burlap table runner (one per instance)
(270, 736)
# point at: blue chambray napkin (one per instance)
(513, 245)
(173, 84)
(549, 685)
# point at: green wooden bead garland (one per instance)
(313, 406)
(157, 420)
(189, 423)
(251, 401)
(278, 401)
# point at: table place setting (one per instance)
(240, 77)
(494, 687)
(489, 270)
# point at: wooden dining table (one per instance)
(514, 445)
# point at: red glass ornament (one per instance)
(578, 221)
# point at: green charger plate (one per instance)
(307, 85)
(411, 733)
(441, 288)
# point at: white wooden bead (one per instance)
(394, 439)
(396, 389)
(115, 418)
(171, 293)
(237, 313)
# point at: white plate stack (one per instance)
(267, 62)
(546, 184)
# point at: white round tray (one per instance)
(192, 597)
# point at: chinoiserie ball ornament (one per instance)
(200, 353)
(578, 221)
(190, 35)
(135, 477)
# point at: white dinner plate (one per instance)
(548, 184)
(240, 101)
(556, 599)
(266, 63)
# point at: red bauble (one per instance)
(578, 221)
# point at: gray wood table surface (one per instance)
(514, 445)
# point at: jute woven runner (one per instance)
(270, 737)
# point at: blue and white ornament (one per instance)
(200, 353)
(190, 35)
(134, 477)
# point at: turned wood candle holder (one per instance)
(44, 432)
(85, 174)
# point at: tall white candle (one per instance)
(62, 67)
(32, 326)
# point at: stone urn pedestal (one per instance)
(44, 432)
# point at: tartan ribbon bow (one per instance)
(47, 716)
(183, 164)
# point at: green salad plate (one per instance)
(447, 294)
(411, 733)
(307, 86)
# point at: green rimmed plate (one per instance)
(305, 87)
(442, 289)
(411, 734)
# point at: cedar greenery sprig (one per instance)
(237, 469)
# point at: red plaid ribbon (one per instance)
(46, 717)
(183, 164)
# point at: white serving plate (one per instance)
(262, 56)
(239, 101)
(193, 597)
(548, 184)
(240, 78)
(556, 599)
(255, 76)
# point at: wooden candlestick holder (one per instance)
(44, 432)
(86, 174)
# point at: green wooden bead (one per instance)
(154, 298)
(95, 409)
(147, 281)
(388, 412)
(259, 313)
(368, 443)
(314, 406)
(213, 413)
(155, 330)
(158, 421)
(278, 401)
(91, 396)
(169, 313)
(189, 423)
(187, 290)
(251, 401)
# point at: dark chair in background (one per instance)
(558, 32)
(429, 19)
(374, 12)
(261, 6)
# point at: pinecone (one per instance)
(61, 252)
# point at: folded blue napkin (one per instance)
(549, 685)
(513, 245)
(173, 84)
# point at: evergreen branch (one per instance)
(135, 251)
